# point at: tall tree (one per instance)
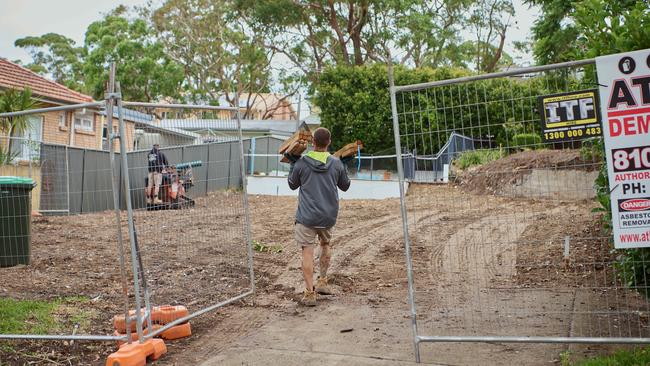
(419, 33)
(319, 33)
(56, 55)
(490, 20)
(145, 72)
(221, 54)
(569, 30)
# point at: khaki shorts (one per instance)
(305, 235)
(155, 178)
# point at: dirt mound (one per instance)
(500, 176)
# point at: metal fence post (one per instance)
(116, 198)
(249, 241)
(67, 176)
(407, 244)
(135, 255)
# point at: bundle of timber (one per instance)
(349, 149)
(297, 143)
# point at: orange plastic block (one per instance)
(136, 354)
(159, 315)
(167, 314)
(119, 322)
(175, 332)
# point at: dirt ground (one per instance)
(483, 265)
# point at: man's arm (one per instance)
(343, 181)
(294, 176)
(164, 160)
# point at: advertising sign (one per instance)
(624, 81)
(570, 116)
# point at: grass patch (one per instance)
(622, 357)
(261, 247)
(44, 317)
(477, 157)
(26, 316)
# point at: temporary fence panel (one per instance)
(63, 267)
(55, 182)
(192, 231)
(265, 159)
(512, 251)
(193, 249)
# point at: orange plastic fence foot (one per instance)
(168, 313)
(136, 354)
(159, 315)
(134, 335)
(176, 332)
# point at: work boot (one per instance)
(309, 298)
(323, 287)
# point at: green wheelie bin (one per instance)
(15, 220)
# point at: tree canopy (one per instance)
(569, 30)
(220, 55)
(145, 71)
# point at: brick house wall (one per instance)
(60, 134)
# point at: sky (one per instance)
(21, 18)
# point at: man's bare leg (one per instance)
(308, 266)
(322, 286)
(325, 256)
(309, 297)
(149, 189)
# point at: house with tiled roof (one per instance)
(84, 127)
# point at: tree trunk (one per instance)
(355, 26)
(497, 55)
(10, 132)
(334, 23)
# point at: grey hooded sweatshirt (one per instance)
(318, 200)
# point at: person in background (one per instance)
(157, 164)
(319, 175)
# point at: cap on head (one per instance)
(322, 137)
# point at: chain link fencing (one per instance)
(510, 250)
(85, 244)
(61, 274)
(192, 232)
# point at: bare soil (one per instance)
(483, 265)
(499, 176)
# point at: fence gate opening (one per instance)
(509, 251)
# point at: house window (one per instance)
(165, 115)
(26, 145)
(63, 120)
(84, 122)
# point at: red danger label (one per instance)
(635, 204)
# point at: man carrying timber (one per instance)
(319, 175)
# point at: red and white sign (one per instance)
(625, 109)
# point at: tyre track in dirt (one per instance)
(346, 246)
(464, 255)
(470, 269)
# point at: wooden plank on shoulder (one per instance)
(349, 149)
(303, 133)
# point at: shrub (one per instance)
(526, 140)
(477, 157)
(592, 150)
